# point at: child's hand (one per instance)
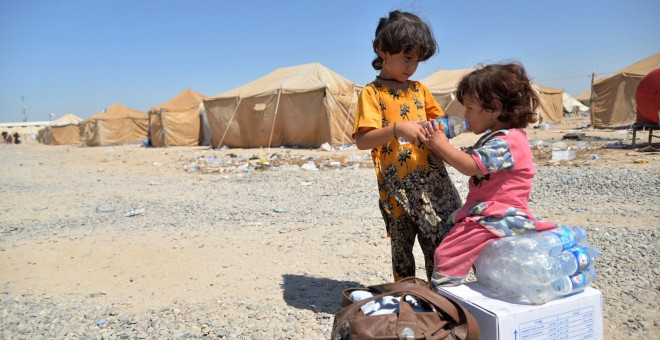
(412, 131)
(436, 132)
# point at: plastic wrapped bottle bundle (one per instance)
(538, 266)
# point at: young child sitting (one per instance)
(499, 100)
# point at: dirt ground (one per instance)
(151, 268)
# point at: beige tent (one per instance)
(574, 106)
(176, 122)
(442, 85)
(305, 105)
(551, 103)
(118, 125)
(613, 98)
(584, 97)
(63, 131)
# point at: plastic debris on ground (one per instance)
(280, 161)
(135, 212)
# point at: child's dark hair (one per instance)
(403, 31)
(507, 84)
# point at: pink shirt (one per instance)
(499, 198)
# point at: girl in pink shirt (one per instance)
(499, 100)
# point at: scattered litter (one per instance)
(575, 136)
(105, 208)
(575, 175)
(135, 212)
(354, 158)
(563, 155)
(217, 163)
(582, 146)
(559, 146)
(594, 156)
(100, 322)
(539, 142)
(309, 166)
(641, 161)
(544, 126)
(326, 147)
(279, 210)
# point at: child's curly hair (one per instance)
(403, 32)
(506, 84)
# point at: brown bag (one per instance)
(448, 320)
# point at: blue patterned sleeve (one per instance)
(495, 155)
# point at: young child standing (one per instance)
(499, 100)
(416, 194)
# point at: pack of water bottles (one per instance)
(538, 266)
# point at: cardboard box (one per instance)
(578, 316)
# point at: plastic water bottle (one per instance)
(135, 212)
(454, 126)
(573, 283)
(585, 256)
(565, 264)
(573, 260)
(556, 240)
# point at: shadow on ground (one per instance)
(313, 293)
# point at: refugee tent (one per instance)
(584, 97)
(551, 107)
(63, 131)
(305, 105)
(176, 122)
(613, 98)
(573, 106)
(117, 125)
(443, 83)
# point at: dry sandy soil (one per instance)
(147, 261)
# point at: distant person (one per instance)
(17, 138)
(498, 99)
(8, 140)
(4, 136)
(416, 194)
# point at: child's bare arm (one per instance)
(369, 138)
(439, 145)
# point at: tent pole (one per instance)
(277, 106)
(230, 120)
(591, 99)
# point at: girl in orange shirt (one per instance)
(416, 194)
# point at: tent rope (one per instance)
(230, 120)
(277, 106)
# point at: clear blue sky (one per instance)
(80, 56)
